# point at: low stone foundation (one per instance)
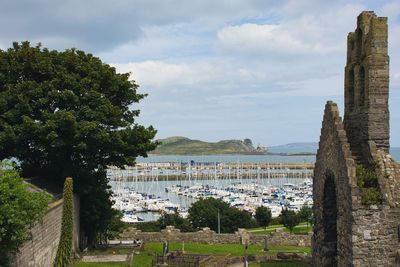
(207, 236)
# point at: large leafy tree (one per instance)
(19, 209)
(69, 114)
(204, 213)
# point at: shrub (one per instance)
(370, 196)
(19, 209)
(290, 219)
(367, 180)
(64, 252)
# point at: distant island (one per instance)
(178, 145)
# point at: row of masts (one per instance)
(210, 171)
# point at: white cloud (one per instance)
(267, 38)
(308, 34)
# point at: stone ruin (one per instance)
(348, 232)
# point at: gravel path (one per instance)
(105, 258)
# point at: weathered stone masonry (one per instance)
(41, 250)
(347, 233)
(207, 236)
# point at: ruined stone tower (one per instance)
(350, 228)
(366, 115)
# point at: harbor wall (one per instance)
(207, 236)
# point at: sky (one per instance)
(216, 69)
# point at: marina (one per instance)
(149, 189)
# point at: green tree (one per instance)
(204, 213)
(64, 251)
(19, 210)
(263, 216)
(176, 220)
(69, 114)
(290, 219)
(305, 214)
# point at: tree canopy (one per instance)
(263, 216)
(19, 209)
(204, 213)
(290, 219)
(69, 114)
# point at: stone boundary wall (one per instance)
(42, 248)
(207, 236)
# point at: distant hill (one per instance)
(292, 148)
(178, 145)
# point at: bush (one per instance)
(367, 180)
(19, 209)
(64, 251)
(290, 219)
(263, 216)
(276, 220)
(370, 196)
(148, 226)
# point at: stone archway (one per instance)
(329, 219)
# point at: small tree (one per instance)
(64, 251)
(290, 219)
(263, 216)
(19, 209)
(305, 215)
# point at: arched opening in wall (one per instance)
(350, 90)
(329, 221)
(361, 78)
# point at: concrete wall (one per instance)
(207, 236)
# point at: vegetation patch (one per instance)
(19, 210)
(367, 180)
(64, 251)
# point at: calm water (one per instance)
(395, 152)
(228, 158)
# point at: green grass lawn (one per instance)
(145, 258)
(299, 229)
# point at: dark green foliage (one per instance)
(290, 219)
(69, 114)
(367, 180)
(175, 220)
(204, 213)
(64, 251)
(276, 220)
(370, 196)
(263, 216)
(149, 226)
(113, 228)
(305, 214)
(19, 209)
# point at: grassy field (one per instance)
(150, 249)
(299, 229)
